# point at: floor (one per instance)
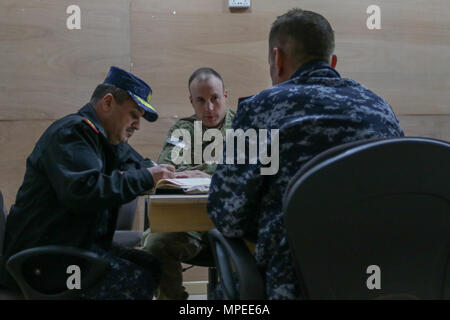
(197, 297)
(195, 280)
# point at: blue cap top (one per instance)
(139, 91)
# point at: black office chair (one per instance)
(5, 294)
(124, 234)
(237, 273)
(34, 269)
(387, 205)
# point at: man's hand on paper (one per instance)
(191, 174)
(162, 171)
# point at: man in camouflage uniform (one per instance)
(242, 202)
(208, 98)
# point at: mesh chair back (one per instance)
(384, 204)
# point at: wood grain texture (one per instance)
(178, 213)
(17, 140)
(48, 71)
(437, 127)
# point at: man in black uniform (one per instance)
(79, 173)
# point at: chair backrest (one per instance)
(3, 214)
(126, 215)
(373, 222)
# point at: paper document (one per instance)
(186, 185)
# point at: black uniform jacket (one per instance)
(75, 180)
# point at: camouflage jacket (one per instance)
(188, 124)
(244, 203)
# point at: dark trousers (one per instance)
(134, 275)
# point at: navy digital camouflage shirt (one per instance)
(332, 110)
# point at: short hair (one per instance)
(205, 73)
(103, 89)
(310, 32)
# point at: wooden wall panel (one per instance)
(17, 140)
(48, 71)
(406, 61)
(437, 126)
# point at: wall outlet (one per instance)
(239, 3)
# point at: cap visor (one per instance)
(150, 112)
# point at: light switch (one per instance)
(239, 3)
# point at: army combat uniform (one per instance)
(173, 248)
(333, 111)
(74, 183)
(188, 125)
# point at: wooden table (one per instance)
(180, 213)
(175, 213)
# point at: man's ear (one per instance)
(225, 93)
(333, 61)
(190, 99)
(279, 61)
(107, 102)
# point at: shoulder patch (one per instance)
(91, 124)
(176, 143)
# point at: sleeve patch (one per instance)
(91, 125)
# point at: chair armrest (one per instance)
(43, 257)
(251, 284)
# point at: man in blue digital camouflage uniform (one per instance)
(79, 173)
(242, 202)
